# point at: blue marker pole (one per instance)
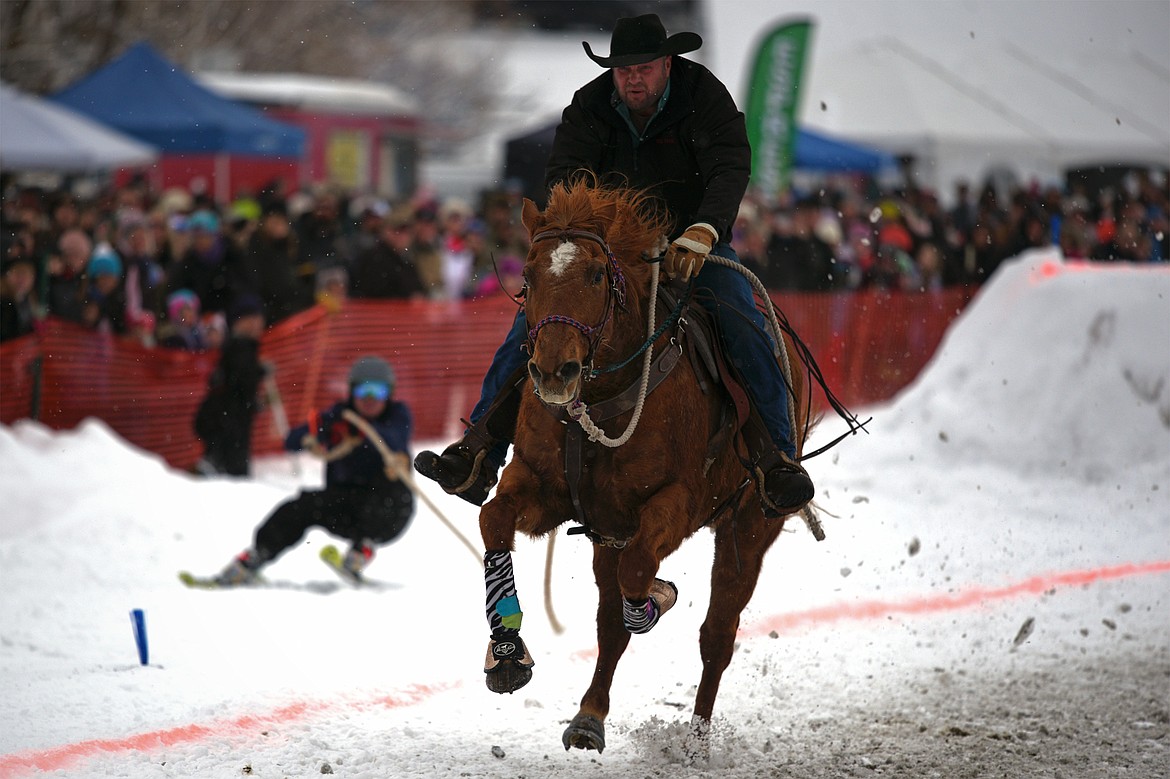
(138, 621)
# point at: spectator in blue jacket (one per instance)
(365, 500)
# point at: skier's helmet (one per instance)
(373, 369)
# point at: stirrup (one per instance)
(463, 468)
(791, 488)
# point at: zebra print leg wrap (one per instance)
(503, 607)
(640, 616)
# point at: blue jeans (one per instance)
(746, 342)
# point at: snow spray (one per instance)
(138, 621)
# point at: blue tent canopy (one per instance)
(149, 98)
(815, 151)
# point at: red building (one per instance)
(362, 136)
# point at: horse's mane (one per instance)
(635, 233)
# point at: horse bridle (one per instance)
(617, 292)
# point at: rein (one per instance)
(666, 323)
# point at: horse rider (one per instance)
(659, 121)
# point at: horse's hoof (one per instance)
(697, 744)
(585, 732)
(507, 677)
(665, 594)
(508, 666)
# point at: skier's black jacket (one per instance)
(363, 466)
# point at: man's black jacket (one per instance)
(694, 155)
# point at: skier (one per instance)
(364, 441)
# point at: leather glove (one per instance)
(398, 466)
(685, 257)
(339, 431)
(312, 445)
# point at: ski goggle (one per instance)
(372, 390)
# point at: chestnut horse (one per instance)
(587, 305)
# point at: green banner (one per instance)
(772, 103)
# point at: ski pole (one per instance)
(279, 415)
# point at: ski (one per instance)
(332, 556)
(199, 582)
(212, 582)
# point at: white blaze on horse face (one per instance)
(561, 257)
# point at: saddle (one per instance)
(704, 348)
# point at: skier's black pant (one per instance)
(377, 514)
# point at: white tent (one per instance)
(352, 96)
(1001, 109)
(967, 87)
(37, 135)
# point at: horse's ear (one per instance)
(530, 216)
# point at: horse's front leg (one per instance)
(664, 523)
(508, 665)
(587, 730)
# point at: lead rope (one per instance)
(580, 412)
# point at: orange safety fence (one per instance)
(869, 345)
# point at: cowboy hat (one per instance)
(640, 39)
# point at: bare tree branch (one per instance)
(47, 44)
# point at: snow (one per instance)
(1022, 480)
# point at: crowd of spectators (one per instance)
(168, 268)
(838, 240)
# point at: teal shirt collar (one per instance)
(624, 112)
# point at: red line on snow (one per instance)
(60, 757)
(930, 604)
(952, 601)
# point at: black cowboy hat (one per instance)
(640, 39)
